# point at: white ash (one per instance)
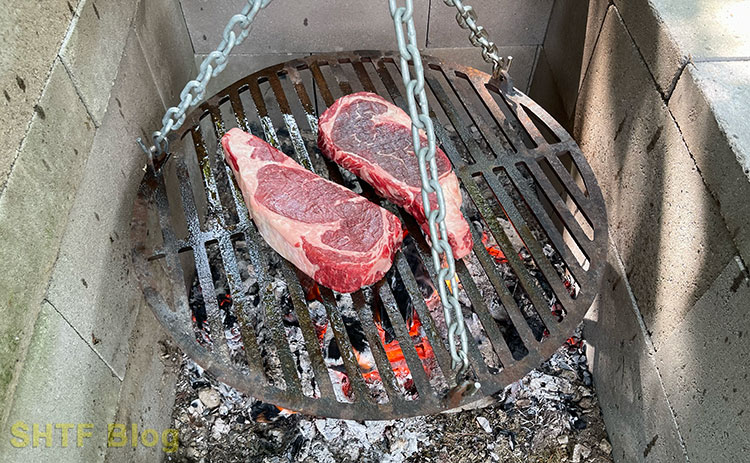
(550, 415)
(546, 414)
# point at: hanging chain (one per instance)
(467, 19)
(428, 171)
(235, 33)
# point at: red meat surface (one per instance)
(338, 238)
(372, 138)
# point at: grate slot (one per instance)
(416, 369)
(507, 141)
(562, 211)
(433, 337)
(361, 392)
(312, 345)
(382, 363)
(518, 267)
(536, 210)
(576, 191)
(477, 304)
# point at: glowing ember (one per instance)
(396, 355)
(494, 251)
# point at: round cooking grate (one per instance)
(249, 318)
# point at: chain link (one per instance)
(466, 18)
(428, 171)
(235, 32)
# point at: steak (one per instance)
(333, 235)
(371, 137)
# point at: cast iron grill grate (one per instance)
(535, 208)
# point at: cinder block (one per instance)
(508, 22)
(706, 28)
(166, 44)
(595, 19)
(654, 40)
(93, 48)
(308, 26)
(710, 106)
(543, 90)
(92, 284)
(30, 33)
(148, 389)
(520, 70)
(704, 368)
(34, 209)
(563, 46)
(664, 221)
(63, 381)
(635, 408)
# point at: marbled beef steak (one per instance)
(335, 236)
(371, 137)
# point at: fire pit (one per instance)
(536, 215)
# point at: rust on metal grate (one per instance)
(535, 209)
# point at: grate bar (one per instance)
(320, 81)
(346, 350)
(303, 157)
(364, 77)
(551, 231)
(173, 267)
(312, 345)
(202, 266)
(510, 125)
(528, 124)
(416, 368)
(376, 347)
(508, 141)
(238, 300)
(477, 362)
(433, 337)
(562, 210)
(519, 268)
(565, 177)
(509, 304)
(480, 308)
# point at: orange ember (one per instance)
(312, 293)
(396, 355)
(494, 251)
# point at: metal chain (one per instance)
(428, 171)
(467, 19)
(235, 32)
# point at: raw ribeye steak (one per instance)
(371, 137)
(335, 236)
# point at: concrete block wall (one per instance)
(77, 343)
(654, 92)
(283, 32)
